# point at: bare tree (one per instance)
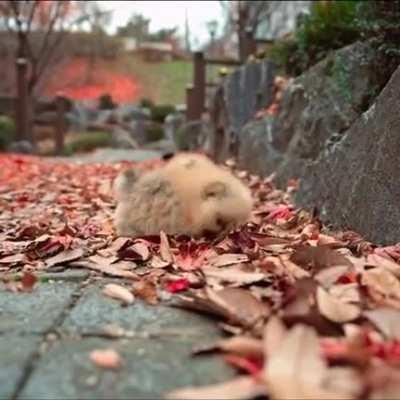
(39, 27)
(245, 16)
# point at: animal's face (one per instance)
(224, 207)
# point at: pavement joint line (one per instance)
(45, 342)
(139, 335)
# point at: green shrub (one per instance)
(154, 133)
(159, 112)
(335, 24)
(7, 131)
(106, 102)
(146, 103)
(88, 141)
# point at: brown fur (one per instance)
(189, 195)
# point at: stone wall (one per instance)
(337, 130)
(237, 100)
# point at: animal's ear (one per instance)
(214, 189)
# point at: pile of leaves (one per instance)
(309, 313)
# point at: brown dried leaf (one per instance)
(28, 281)
(146, 291)
(243, 387)
(234, 275)
(111, 270)
(382, 286)
(382, 262)
(142, 249)
(165, 250)
(228, 259)
(274, 333)
(319, 257)
(239, 305)
(334, 309)
(157, 262)
(240, 345)
(107, 359)
(329, 276)
(296, 369)
(64, 257)
(119, 293)
(13, 259)
(387, 320)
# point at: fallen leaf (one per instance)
(328, 276)
(119, 293)
(107, 359)
(233, 275)
(334, 309)
(165, 250)
(28, 281)
(157, 262)
(146, 291)
(13, 259)
(241, 345)
(64, 257)
(381, 262)
(387, 320)
(228, 259)
(138, 251)
(382, 286)
(240, 388)
(239, 305)
(319, 257)
(252, 366)
(177, 285)
(111, 270)
(296, 369)
(274, 333)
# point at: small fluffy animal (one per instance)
(189, 195)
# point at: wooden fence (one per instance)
(25, 119)
(196, 92)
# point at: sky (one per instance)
(167, 14)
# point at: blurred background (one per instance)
(80, 75)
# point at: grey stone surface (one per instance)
(151, 368)
(46, 340)
(256, 151)
(316, 108)
(122, 139)
(15, 353)
(36, 311)
(235, 102)
(246, 90)
(355, 182)
(94, 311)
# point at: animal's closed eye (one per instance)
(221, 223)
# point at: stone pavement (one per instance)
(46, 337)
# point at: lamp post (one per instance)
(22, 106)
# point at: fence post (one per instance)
(251, 44)
(60, 124)
(199, 82)
(21, 105)
(190, 115)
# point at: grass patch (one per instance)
(84, 142)
(7, 131)
(164, 82)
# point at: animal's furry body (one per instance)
(189, 195)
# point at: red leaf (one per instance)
(28, 281)
(252, 366)
(178, 285)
